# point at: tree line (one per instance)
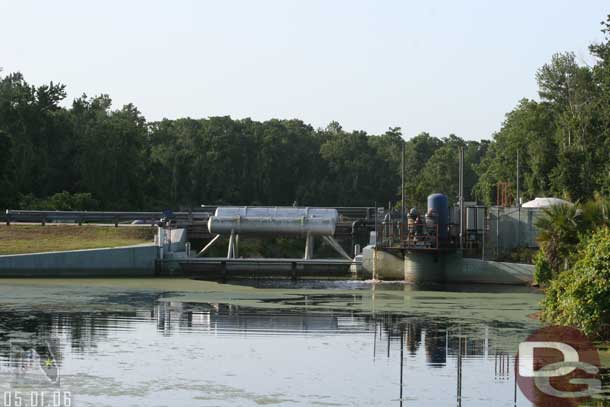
(90, 156)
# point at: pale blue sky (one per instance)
(437, 66)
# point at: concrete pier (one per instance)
(418, 267)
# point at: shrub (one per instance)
(543, 273)
(61, 201)
(563, 228)
(558, 234)
(580, 296)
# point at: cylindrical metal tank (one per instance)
(440, 204)
(277, 212)
(266, 225)
(277, 221)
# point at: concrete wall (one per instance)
(447, 268)
(121, 261)
(382, 265)
(466, 270)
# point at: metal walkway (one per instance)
(221, 267)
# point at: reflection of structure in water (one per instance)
(230, 318)
(442, 343)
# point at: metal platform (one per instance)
(220, 267)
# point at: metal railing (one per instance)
(115, 218)
(414, 235)
(417, 235)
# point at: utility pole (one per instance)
(461, 195)
(403, 204)
(518, 197)
(518, 205)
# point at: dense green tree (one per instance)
(563, 142)
(432, 166)
(529, 132)
(7, 181)
(35, 123)
(601, 78)
(111, 147)
(418, 151)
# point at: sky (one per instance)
(438, 66)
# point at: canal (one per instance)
(159, 342)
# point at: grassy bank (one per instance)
(17, 239)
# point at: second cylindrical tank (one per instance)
(439, 203)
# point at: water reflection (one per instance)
(243, 355)
(441, 346)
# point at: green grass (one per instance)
(16, 239)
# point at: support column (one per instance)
(231, 251)
(160, 240)
(308, 246)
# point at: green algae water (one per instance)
(163, 342)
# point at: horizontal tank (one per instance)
(278, 226)
(287, 221)
(277, 212)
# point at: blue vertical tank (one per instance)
(440, 205)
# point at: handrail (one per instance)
(200, 214)
(412, 235)
(116, 217)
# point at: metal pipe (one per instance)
(207, 246)
(309, 247)
(376, 234)
(230, 252)
(483, 235)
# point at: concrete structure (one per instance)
(224, 268)
(174, 240)
(125, 261)
(417, 267)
